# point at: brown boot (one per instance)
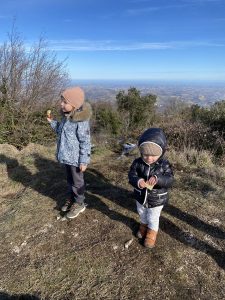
(142, 231)
(150, 238)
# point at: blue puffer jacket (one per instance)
(161, 169)
(73, 137)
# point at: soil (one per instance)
(45, 256)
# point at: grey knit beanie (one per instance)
(151, 149)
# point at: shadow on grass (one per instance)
(195, 222)
(198, 184)
(4, 296)
(48, 181)
(99, 186)
(175, 232)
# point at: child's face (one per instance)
(150, 159)
(65, 106)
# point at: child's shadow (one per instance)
(5, 296)
(99, 187)
(49, 180)
(175, 232)
(209, 229)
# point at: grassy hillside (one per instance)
(45, 257)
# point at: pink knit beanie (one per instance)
(74, 96)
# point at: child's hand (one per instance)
(141, 184)
(49, 119)
(152, 181)
(49, 115)
(83, 168)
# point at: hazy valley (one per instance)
(201, 93)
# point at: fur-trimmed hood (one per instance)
(80, 115)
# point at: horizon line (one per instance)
(148, 79)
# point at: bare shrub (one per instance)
(29, 79)
(183, 134)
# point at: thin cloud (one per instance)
(200, 1)
(183, 3)
(5, 17)
(85, 45)
(139, 1)
(108, 45)
(219, 19)
(138, 11)
(186, 1)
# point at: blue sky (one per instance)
(126, 39)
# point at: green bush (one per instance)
(135, 110)
(19, 129)
(213, 116)
(106, 118)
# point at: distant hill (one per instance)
(201, 93)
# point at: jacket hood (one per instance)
(83, 114)
(154, 135)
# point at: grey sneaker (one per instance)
(67, 205)
(75, 210)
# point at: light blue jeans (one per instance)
(149, 216)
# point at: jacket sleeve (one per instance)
(55, 125)
(133, 176)
(83, 136)
(165, 178)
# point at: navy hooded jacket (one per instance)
(161, 169)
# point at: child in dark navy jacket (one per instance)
(150, 175)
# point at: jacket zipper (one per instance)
(146, 192)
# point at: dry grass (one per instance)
(45, 258)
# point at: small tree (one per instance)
(136, 110)
(106, 118)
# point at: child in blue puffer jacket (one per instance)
(73, 146)
(150, 175)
